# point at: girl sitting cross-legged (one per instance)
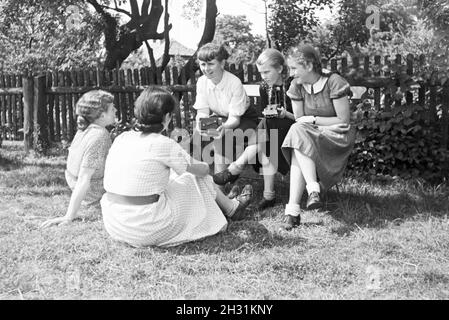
(156, 194)
(319, 143)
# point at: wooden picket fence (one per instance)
(49, 110)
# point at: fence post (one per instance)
(28, 98)
(40, 116)
(445, 115)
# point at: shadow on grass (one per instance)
(9, 164)
(362, 208)
(243, 235)
(361, 203)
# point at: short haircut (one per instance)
(211, 51)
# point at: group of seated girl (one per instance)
(152, 192)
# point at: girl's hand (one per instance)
(56, 221)
(220, 132)
(282, 112)
(305, 119)
(198, 128)
(339, 127)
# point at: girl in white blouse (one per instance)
(221, 93)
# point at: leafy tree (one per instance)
(290, 20)
(37, 26)
(35, 35)
(350, 30)
(122, 39)
(235, 32)
(436, 16)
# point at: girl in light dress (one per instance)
(87, 153)
(156, 194)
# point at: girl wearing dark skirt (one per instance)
(264, 150)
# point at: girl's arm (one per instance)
(78, 195)
(341, 106)
(298, 109)
(232, 122)
(289, 115)
(198, 168)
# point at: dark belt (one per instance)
(133, 200)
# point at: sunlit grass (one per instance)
(374, 240)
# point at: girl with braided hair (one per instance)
(87, 153)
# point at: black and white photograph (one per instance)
(224, 155)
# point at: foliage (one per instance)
(292, 20)
(235, 33)
(191, 10)
(45, 34)
(349, 32)
(402, 142)
(436, 15)
(35, 35)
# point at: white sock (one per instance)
(292, 209)
(269, 195)
(313, 187)
(235, 204)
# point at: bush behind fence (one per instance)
(61, 90)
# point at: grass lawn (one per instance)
(375, 240)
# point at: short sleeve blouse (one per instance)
(89, 149)
(318, 97)
(139, 165)
(227, 98)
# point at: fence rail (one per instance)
(61, 90)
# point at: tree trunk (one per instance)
(208, 36)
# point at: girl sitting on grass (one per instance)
(156, 194)
(87, 153)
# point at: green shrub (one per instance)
(402, 143)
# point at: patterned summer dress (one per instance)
(329, 150)
(89, 149)
(141, 165)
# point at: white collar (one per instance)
(220, 85)
(317, 86)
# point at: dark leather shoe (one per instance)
(221, 178)
(314, 201)
(234, 192)
(289, 222)
(244, 200)
(264, 203)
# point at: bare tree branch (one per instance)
(167, 27)
(208, 35)
(145, 7)
(134, 8)
(150, 55)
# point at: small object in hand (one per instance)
(271, 110)
(210, 125)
